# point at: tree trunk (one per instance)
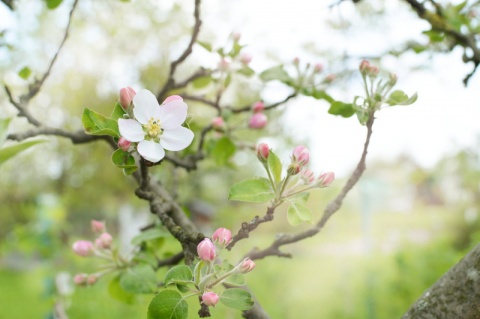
(456, 295)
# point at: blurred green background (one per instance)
(402, 227)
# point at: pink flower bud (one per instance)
(373, 71)
(263, 151)
(236, 36)
(296, 60)
(317, 68)
(80, 279)
(308, 176)
(104, 241)
(206, 250)
(210, 299)
(172, 98)
(294, 169)
(218, 123)
(92, 279)
(258, 107)
(247, 265)
(124, 144)
(301, 155)
(83, 247)
(222, 237)
(223, 64)
(126, 97)
(97, 226)
(258, 121)
(326, 179)
(246, 58)
(364, 66)
(330, 78)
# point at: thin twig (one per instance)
(332, 207)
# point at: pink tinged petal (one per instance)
(172, 98)
(151, 151)
(146, 106)
(173, 114)
(131, 130)
(176, 139)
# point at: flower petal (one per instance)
(151, 151)
(131, 130)
(176, 139)
(146, 106)
(173, 114)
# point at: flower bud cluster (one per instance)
(100, 247)
(208, 253)
(258, 120)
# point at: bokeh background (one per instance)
(413, 215)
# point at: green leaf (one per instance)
(275, 167)
(255, 190)
(118, 112)
(8, 152)
(146, 257)
(227, 82)
(235, 280)
(300, 198)
(342, 109)
(236, 48)
(202, 82)
(275, 73)
(322, 95)
(52, 4)
(237, 298)
(4, 124)
(97, 124)
(139, 279)
(362, 116)
(129, 171)
(246, 71)
(123, 159)
(207, 46)
(25, 73)
(168, 304)
(223, 149)
(400, 98)
(117, 292)
(148, 235)
(181, 274)
(298, 213)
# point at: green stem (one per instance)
(274, 185)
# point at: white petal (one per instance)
(131, 130)
(145, 106)
(173, 114)
(151, 151)
(176, 139)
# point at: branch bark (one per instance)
(455, 295)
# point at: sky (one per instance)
(444, 118)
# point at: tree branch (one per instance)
(455, 295)
(332, 207)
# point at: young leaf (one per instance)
(237, 298)
(148, 235)
(52, 4)
(8, 152)
(275, 167)
(246, 71)
(275, 73)
(97, 124)
(168, 304)
(342, 109)
(255, 190)
(139, 279)
(223, 150)
(400, 98)
(202, 81)
(298, 213)
(25, 73)
(123, 159)
(181, 274)
(4, 124)
(235, 280)
(117, 292)
(207, 46)
(118, 112)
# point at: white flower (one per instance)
(156, 127)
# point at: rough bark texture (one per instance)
(456, 295)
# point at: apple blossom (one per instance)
(83, 247)
(247, 265)
(126, 96)
(258, 107)
(222, 237)
(245, 58)
(97, 226)
(172, 98)
(301, 155)
(206, 250)
(104, 241)
(263, 150)
(80, 279)
(326, 179)
(258, 121)
(156, 128)
(210, 298)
